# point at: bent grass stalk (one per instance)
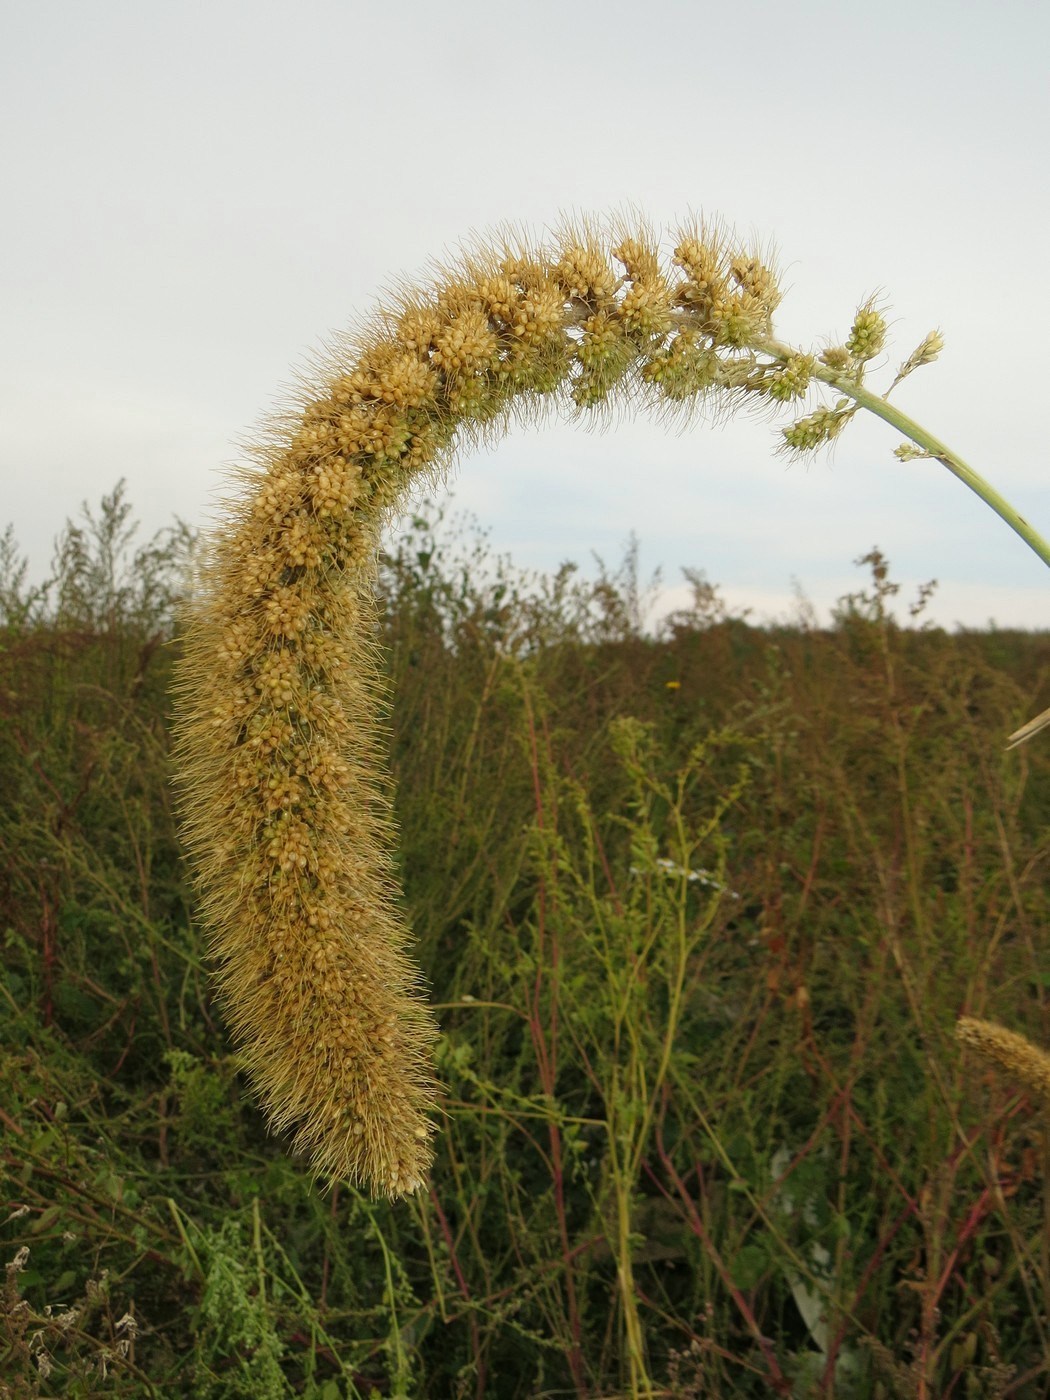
(285, 811)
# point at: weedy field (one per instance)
(698, 913)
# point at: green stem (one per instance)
(933, 446)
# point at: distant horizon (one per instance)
(793, 607)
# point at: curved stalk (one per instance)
(931, 446)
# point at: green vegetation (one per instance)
(698, 913)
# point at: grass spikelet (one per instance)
(1012, 1052)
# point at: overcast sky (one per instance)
(195, 195)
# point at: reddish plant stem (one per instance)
(47, 936)
(547, 1060)
(464, 1288)
(777, 1380)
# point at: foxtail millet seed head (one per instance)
(1014, 1053)
(288, 827)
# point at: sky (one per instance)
(197, 195)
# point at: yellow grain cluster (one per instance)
(286, 820)
(1025, 1062)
